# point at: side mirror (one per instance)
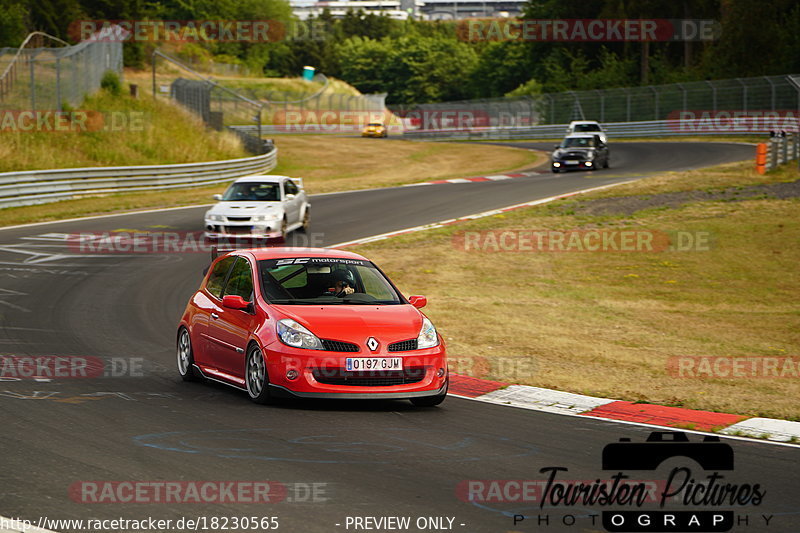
(233, 301)
(418, 301)
(217, 197)
(290, 196)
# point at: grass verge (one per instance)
(132, 132)
(332, 163)
(612, 323)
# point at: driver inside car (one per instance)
(343, 285)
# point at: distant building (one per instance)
(396, 9)
(460, 9)
(403, 9)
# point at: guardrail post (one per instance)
(771, 154)
(784, 149)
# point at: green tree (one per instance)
(13, 23)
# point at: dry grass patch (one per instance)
(333, 163)
(738, 174)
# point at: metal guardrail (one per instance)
(652, 128)
(43, 186)
(780, 149)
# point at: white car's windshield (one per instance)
(325, 280)
(577, 142)
(587, 127)
(252, 192)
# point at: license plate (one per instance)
(571, 162)
(358, 364)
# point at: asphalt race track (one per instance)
(336, 459)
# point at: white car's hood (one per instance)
(245, 208)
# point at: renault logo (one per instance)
(372, 344)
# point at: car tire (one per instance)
(606, 163)
(306, 221)
(430, 401)
(555, 170)
(186, 356)
(255, 375)
(284, 233)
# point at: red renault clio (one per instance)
(310, 323)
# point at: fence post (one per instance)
(628, 95)
(33, 83)
(58, 83)
(772, 93)
(744, 94)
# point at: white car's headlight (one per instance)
(264, 218)
(216, 218)
(296, 335)
(427, 335)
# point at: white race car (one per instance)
(259, 206)
(587, 126)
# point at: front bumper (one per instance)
(572, 164)
(219, 230)
(322, 374)
(282, 392)
(372, 134)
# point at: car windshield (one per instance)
(587, 127)
(325, 281)
(253, 191)
(578, 142)
(375, 124)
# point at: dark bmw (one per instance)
(580, 151)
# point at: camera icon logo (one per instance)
(710, 453)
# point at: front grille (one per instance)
(239, 230)
(403, 346)
(238, 219)
(339, 346)
(373, 378)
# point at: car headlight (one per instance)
(427, 335)
(216, 218)
(264, 218)
(296, 335)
